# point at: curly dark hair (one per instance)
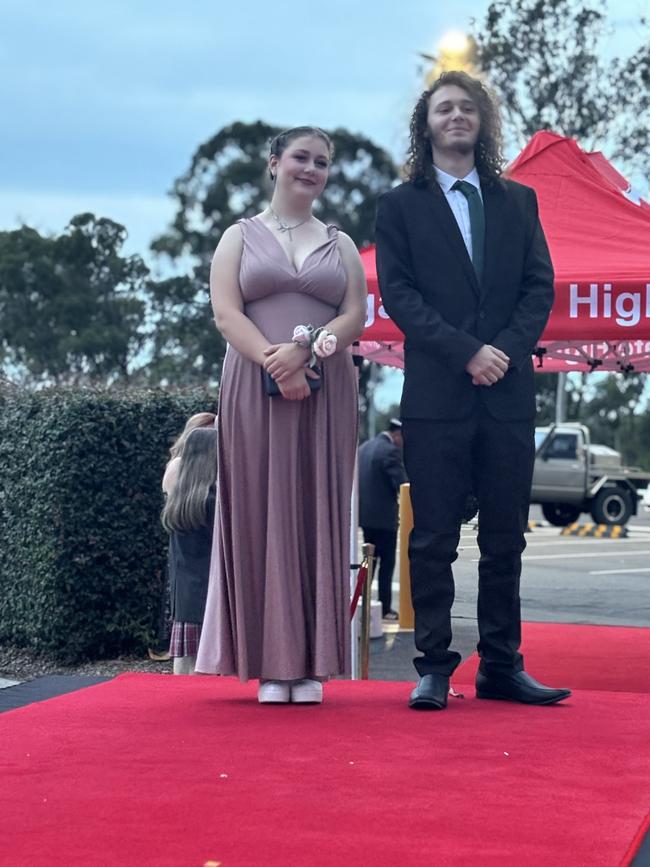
(487, 153)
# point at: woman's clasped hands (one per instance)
(286, 364)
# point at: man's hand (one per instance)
(284, 359)
(488, 366)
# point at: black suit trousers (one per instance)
(445, 461)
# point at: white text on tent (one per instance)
(370, 314)
(626, 308)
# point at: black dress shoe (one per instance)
(517, 686)
(430, 693)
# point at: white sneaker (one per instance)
(307, 692)
(274, 692)
(184, 664)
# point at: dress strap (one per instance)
(245, 224)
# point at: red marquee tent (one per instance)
(598, 232)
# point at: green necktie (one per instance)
(476, 223)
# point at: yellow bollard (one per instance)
(406, 616)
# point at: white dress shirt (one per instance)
(458, 202)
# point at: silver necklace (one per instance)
(285, 227)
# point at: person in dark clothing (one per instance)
(188, 517)
(381, 473)
(465, 273)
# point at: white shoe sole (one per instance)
(307, 692)
(274, 692)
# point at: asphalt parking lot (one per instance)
(568, 579)
(572, 579)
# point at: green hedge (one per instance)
(83, 554)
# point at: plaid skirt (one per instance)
(185, 639)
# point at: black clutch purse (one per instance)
(272, 388)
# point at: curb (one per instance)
(599, 531)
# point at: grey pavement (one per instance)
(391, 657)
(42, 688)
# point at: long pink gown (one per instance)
(278, 596)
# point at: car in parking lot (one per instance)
(572, 475)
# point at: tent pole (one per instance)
(371, 410)
(560, 398)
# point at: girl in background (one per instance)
(188, 517)
(200, 419)
(159, 652)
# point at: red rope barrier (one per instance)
(361, 578)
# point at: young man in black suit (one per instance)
(465, 272)
(381, 474)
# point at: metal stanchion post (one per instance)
(406, 615)
(364, 638)
(354, 559)
(354, 543)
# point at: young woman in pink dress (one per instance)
(288, 293)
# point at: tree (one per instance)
(576, 388)
(228, 179)
(548, 62)
(611, 405)
(184, 346)
(545, 395)
(612, 412)
(71, 306)
(638, 446)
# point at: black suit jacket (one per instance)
(381, 472)
(430, 289)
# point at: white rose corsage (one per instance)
(324, 343)
(302, 335)
(320, 341)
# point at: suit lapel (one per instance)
(494, 207)
(439, 207)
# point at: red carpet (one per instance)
(602, 658)
(188, 771)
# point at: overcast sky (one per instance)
(103, 103)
